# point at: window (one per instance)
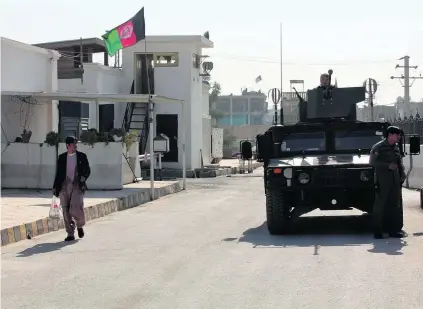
(352, 140)
(304, 141)
(166, 59)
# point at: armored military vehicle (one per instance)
(321, 162)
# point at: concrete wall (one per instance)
(206, 96)
(242, 133)
(207, 141)
(109, 170)
(33, 166)
(415, 179)
(98, 79)
(105, 162)
(217, 143)
(27, 68)
(28, 166)
(180, 82)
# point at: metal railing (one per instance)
(412, 125)
(291, 96)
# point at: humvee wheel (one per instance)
(277, 212)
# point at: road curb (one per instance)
(225, 171)
(46, 225)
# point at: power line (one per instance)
(268, 60)
(261, 60)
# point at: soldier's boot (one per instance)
(399, 234)
(378, 235)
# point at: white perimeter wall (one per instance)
(27, 68)
(415, 179)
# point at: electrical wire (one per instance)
(7, 140)
(264, 60)
(72, 55)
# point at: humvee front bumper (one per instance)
(324, 187)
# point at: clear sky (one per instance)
(357, 39)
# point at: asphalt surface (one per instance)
(208, 247)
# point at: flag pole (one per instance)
(150, 120)
(280, 35)
(281, 108)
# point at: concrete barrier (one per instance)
(109, 168)
(33, 166)
(415, 176)
(28, 166)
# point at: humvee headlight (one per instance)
(304, 178)
(287, 173)
(364, 176)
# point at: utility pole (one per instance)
(81, 59)
(406, 77)
(281, 110)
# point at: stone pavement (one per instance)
(24, 213)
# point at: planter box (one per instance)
(33, 166)
(28, 166)
(109, 168)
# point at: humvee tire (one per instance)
(277, 212)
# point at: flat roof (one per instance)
(199, 39)
(95, 44)
(29, 47)
(84, 97)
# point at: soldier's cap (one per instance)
(393, 130)
(70, 140)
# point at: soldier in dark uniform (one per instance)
(324, 80)
(386, 158)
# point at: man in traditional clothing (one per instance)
(386, 158)
(72, 172)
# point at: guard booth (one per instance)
(160, 146)
(246, 156)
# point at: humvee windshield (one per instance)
(298, 142)
(357, 139)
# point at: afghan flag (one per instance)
(125, 35)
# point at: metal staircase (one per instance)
(136, 120)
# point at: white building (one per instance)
(26, 68)
(176, 72)
(96, 78)
(237, 110)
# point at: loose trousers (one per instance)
(72, 201)
(388, 212)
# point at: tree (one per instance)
(215, 91)
(228, 138)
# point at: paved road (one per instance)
(209, 248)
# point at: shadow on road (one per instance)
(325, 231)
(45, 248)
(390, 246)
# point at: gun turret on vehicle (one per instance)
(329, 102)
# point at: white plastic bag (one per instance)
(55, 209)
